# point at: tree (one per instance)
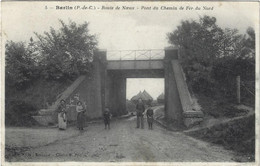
(20, 68)
(199, 44)
(210, 54)
(197, 40)
(34, 52)
(248, 51)
(237, 45)
(67, 52)
(239, 60)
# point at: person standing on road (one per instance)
(81, 116)
(140, 108)
(62, 115)
(149, 114)
(107, 116)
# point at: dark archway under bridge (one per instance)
(116, 86)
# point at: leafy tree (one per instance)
(251, 38)
(212, 56)
(20, 68)
(67, 52)
(237, 45)
(37, 66)
(198, 40)
(248, 50)
(199, 44)
(34, 52)
(239, 61)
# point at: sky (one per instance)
(154, 86)
(123, 29)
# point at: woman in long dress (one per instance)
(80, 117)
(62, 115)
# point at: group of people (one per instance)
(81, 109)
(62, 115)
(140, 111)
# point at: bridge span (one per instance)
(116, 66)
(107, 85)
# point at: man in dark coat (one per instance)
(140, 108)
(149, 114)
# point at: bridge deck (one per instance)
(134, 64)
(146, 73)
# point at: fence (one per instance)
(154, 54)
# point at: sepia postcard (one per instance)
(129, 83)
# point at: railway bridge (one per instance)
(107, 85)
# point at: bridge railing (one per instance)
(154, 54)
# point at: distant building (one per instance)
(160, 98)
(145, 96)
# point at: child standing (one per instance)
(107, 116)
(149, 114)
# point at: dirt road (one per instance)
(123, 142)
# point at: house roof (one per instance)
(147, 95)
(160, 97)
(143, 95)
